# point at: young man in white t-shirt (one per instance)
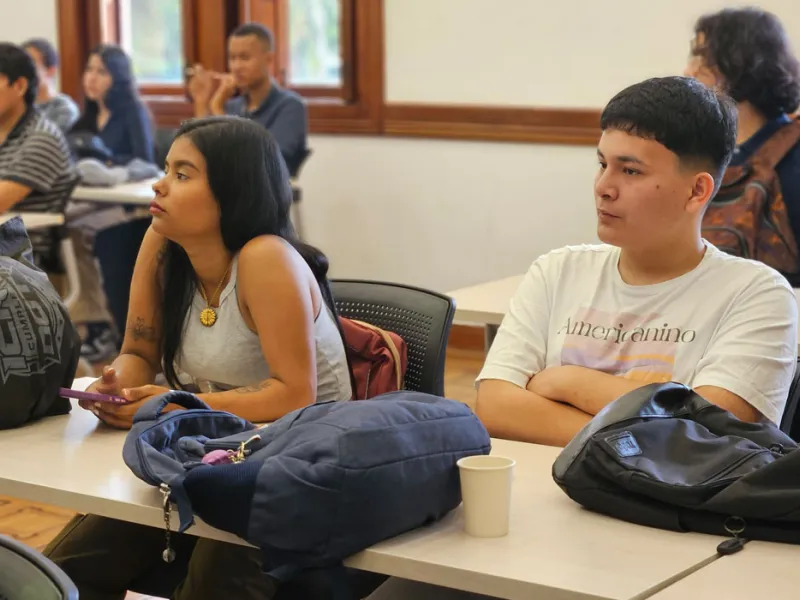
(654, 303)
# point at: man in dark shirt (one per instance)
(746, 53)
(281, 111)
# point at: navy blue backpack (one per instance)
(320, 484)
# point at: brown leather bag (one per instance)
(748, 216)
(378, 358)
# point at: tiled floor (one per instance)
(37, 524)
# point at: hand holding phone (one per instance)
(92, 396)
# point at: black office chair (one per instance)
(790, 422)
(28, 575)
(162, 138)
(421, 317)
(116, 249)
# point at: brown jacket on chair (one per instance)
(748, 216)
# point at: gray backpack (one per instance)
(39, 346)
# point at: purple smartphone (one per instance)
(91, 396)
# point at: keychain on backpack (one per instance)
(734, 526)
(226, 457)
(242, 452)
(168, 555)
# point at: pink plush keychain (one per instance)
(218, 457)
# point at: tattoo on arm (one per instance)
(254, 388)
(140, 330)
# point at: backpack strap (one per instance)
(778, 145)
(153, 408)
(392, 348)
(179, 496)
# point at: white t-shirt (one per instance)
(730, 323)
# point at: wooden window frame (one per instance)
(345, 91)
(80, 26)
(356, 107)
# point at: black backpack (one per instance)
(663, 456)
(39, 346)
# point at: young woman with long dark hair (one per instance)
(227, 300)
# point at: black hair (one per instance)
(750, 49)
(262, 32)
(17, 64)
(683, 115)
(249, 181)
(46, 49)
(122, 95)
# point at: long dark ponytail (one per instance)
(249, 180)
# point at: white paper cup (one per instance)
(486, 493)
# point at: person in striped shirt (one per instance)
(36, 169)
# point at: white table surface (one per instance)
(139, 193)
(760, 571)
(485, 303)
(35, 220)
(75, 462)
(555, 550)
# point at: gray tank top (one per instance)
(228, 354)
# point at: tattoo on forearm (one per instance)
(140, 330)
(254, 388)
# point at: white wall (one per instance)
(443, 214)
(23, 19)
(574, 53)
(446, 214)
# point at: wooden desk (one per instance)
(760, 570)
(35, 220)
(139, 193)
(555, 549)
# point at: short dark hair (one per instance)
(750, 49)
(681, 114)
(262, 32)
(46, 49)
(15, 63)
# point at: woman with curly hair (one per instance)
(746, 54)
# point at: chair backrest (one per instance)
(162, 139)
(116, 249)
(28, 574)
(421, 317)
(48, 255)
(295, 163)
(790, 422)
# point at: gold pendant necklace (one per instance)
(208, 316)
